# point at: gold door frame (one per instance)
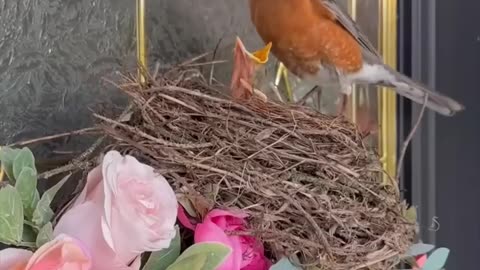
(141, 40)
(387, 112)
(387, 100)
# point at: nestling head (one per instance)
(245, 67)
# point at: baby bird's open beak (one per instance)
(244, 70)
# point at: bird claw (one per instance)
(253, 91)
(260, 95)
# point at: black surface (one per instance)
(404, 107)
(439, 44)
(458, 146)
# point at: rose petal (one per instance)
(83, 222)
(209, 232)
(14, 258)
(59, 253)
(234, 213)
(229, 221)
(184, 219)
(257, 261)
(149, 199)
(92, 187)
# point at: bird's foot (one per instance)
(252, 91)
(365, 122)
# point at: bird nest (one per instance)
(308, 182)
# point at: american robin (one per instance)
(319, 42)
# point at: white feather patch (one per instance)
(371, 74)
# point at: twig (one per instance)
(63, 169)
(56, 136)
(79, 161)
(157, 140)
(410, 137)
(387, 256)
(213, 62)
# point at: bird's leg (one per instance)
(319, 98)
(343, 105)
(307, 95)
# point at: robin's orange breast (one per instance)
(305, 36)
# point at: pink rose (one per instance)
(62, 253)
(223, 226)
(125, 209)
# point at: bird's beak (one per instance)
(259, 57)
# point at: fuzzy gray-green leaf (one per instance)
(26, 186)
(43, 213)
(45, 234)
(162, 259)
(11, 216)
(24, 159)
(7, 156)
(201, 256)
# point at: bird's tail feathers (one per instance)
(410, 89)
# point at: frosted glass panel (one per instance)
(53, 54)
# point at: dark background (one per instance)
(440, 45)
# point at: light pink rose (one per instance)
(14, 258)
(221, 226)
(62, 253)
(124, 210)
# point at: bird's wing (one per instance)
(344, 19)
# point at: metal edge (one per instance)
(353, 98)
(387, 99)
(423, 144)
(141, 40)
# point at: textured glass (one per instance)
(53, 54)
(52, 57)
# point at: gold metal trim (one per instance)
(141, 40)
(386, 97)
(353, 99)
(282, 72)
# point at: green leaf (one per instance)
(160, 260)
(11, 216)
(411, 214)
(202, 256)
(7, 156)
(24, 159)
(194, 262)
(284, 264)
(437, 260)
(26, 186)
(45, 234)
(419, 249)
(29, 235)
(43, 213)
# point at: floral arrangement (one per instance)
(124, 211)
